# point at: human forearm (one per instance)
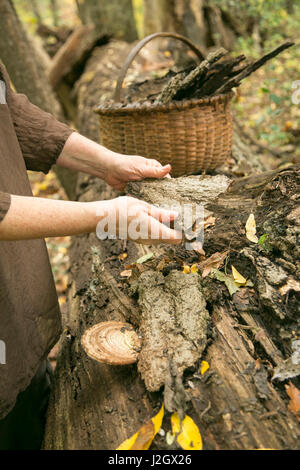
(82, 154)
(31, 218)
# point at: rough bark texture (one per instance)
(110, 17)
(181, 16)
(19, 57)
(201, 21)
(235, 404)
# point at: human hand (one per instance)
(129, 218)
(124, 168)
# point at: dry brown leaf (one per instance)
(126, 273)
(209, 222)
(294, 394)
(215, 261)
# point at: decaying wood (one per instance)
(173, 325)
(213, 76)
(183, 85)
(235, 404)
(236, 81)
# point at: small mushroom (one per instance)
(112, 342)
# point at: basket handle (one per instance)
(137, 49)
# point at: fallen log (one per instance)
(251, 331)
(235, 403)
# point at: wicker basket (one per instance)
(191, 135)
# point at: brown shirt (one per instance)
(29, 312)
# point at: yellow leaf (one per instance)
(204, 367)
(175, 422)
(142, 439)
(238, 277)
(158, 419)
(251, 229)
(186, 269)
(127, 445)
(122, 256)
(188, 434)
(194, 269)
(49, 176)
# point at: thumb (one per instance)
(157, 172)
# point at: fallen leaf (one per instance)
(209, 222)
(162, 264)
(126, 273)
(187, 432)
(194, 269)
(145, 258)
(251, 229)
(186, 269)
(238, 278)
(123, 256)
(294, 394)
(215, 261)
(204, 367)
(142, 439)
(175, 423)
(230, 283)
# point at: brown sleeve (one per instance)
(5, 200)
(40, 135)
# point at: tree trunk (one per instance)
(28, 74)
(235, 404)
(201, 22)
(109, 17)
(180, 16)
(20, 59)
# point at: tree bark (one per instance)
(235, 404)
(201, 22)
(179, 16)
(20, 59)
(109, 17)
(28, 74)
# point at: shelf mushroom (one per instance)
(112, 342)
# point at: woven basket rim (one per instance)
(119, 108)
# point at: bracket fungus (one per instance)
(112, 342)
